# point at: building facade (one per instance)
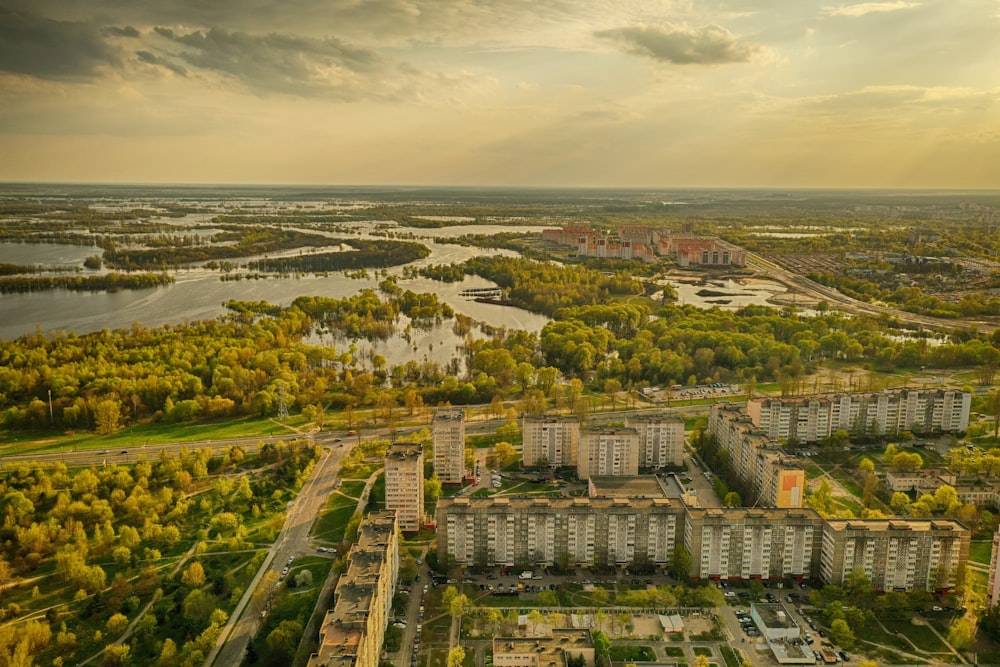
(608, 452)
(550, 441)
(895, 554)
(810, 419)
(550, 531)
(544, 651)
(449, 444)
(747, 543)
(993, 584)
(404, 485)
(772, 478)
(352, 631)
(661, 439)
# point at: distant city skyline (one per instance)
(564, 93)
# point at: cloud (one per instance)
(281, 63)
(50, 49)
(683, 45)
(152, 59)
(863, 8)
(115, 31)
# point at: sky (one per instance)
(584, 93)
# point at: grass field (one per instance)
(980, 551)
(921, 635)
(332, 521)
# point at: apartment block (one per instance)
(771, 478)
(661, 438)
(352, 631)
(544, 651)
(810, 419)
(550, 441)
(993, 585)
(404, 485)
(448, 430)
(608, 452)
(895, 554)
(747, 543)
(546, 531)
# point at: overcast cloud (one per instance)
(562, 92)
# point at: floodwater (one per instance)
(727, 293)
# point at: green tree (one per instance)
(841, 633)
(107, 416)
(680, 562)
(456, 656)
(194, 575)
(284, 639)
(962, 633)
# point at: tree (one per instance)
(284, 639)
(732, 499)
(680, 562)
(535, 618)
(456, 656)
(117, 623)
(962, 633)
(841, 633)
(548, 598)
(194, 575)
(900, 503)
(505, 454)
(432, 488)
(107, 415)
(449, 594)
(701, 661)
(460, 606)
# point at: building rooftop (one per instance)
(549, 650)
(641, 486)
(647, 417)
(775, 616)
(608, 430)
(515, 502)
(449, 414)
(543, 419)
(404, 452)
(917, 525)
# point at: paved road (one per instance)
(293, 541)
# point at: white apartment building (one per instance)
(449, 445)
(404, 485)
(608, 451)
(810, 419)
(661, 439)
(551, 441)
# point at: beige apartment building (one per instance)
(404, 485)
(544, 651)
(772, 478)
(550, 441)
(608, 452)
(661, 438)
(747, 543)
(896, 554)
(352, 631)
(546, 531)
(993, 584)
(448, 430)
(812, 418)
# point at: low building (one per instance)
(548, 651)
(782, 634)
(920, 482)
(641, 486)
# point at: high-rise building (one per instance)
(812, 418)
(896, 554)
(404, 485)
(993, 586)
(661, 438)
(550, 441)
(352, 631)
(771, 478)
(608, 451)
(449, 445)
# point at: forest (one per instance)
(108, 282)
(170, 543)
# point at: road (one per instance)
(843, 302)
(292, 542)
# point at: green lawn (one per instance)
(981, 551)
(631, 653)
(331, 523)
(921, 635)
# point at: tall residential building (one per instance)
(608, 452)
(551, 441)
(993, 586)
(352, 631)
(544, 531)
(736, 543)
(772, 479)
(449, 445)
(404, 485)
(812, 418)
(661, 438)
(895, 554)
(747, 543)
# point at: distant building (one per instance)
(810, 419)
(551, 440)
(449, 445)
(689, 250)
(608, 451)
(404, 485)
(352, 631)
(661, 438)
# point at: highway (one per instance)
(836, 299)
